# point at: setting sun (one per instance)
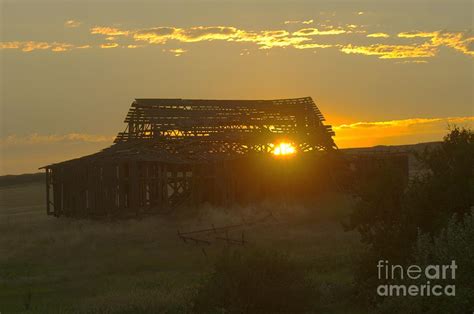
(284, 149)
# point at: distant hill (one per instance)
(22, 179)
(394, 148)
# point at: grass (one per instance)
(50, 265)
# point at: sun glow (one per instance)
(284, 149)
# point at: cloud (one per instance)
(265, 39)
(394, 132)
(417, 34)
(28, 46)
(378, 35)
(412, 61)
(317, 32)
(392, 51)
(72, 23)
(299, 22)
(177, 52)
(457, 41)
(244, 52)
(405, 123)
(109, 45)
(161, 35)
(460, 41)
(414, 44)
(36, 138)
(10, 45)
(203, 33)
(62, 47)
(312, 46)
(108, 31)
(157, 35)
(357, 134)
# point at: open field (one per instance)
(50, 265)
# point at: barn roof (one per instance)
(193, 130)
(151, 118)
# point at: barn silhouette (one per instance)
(180, 151)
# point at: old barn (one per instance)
(180, 151)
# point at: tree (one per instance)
(447, 186)
(255, 282)
(389, 216)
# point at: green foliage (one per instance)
(455, 242)
(386, 211)
(379, 218)
(388, 216)
(378, 214)
(255, 282)
(447, 185)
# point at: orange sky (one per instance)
(382, 72)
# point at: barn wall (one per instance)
(130, 188)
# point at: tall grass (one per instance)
(50, 265)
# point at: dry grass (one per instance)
(50, 265)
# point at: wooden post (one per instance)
(48, 209)
(134, 182)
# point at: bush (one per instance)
(455, 242)
(378, 214)
(255, 282)
(447, 186)
(388, 217)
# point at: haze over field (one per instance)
(381, 72)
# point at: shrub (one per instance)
(388, 216)
(255, 282)
(455, 242)
(447, 186)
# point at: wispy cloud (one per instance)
(348, 39)
(36, 138)
(109, 45)
(396, 131)
(404, 122)
(177, 52)
(28, 46)
(317, 32)
(378, 35)
(418, 34)
(72, 23)
(366, 133)
(460, 41)
(108, 31)
(265, 39)
(392, 51)
(312, 46)
(311, 21)
(413, 61)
